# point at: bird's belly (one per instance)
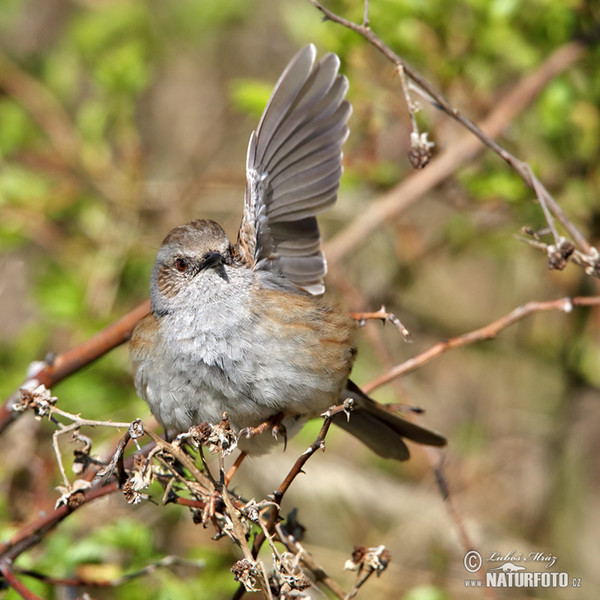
(204, 377)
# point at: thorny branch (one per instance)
(56, 368)
(420, 147)
(202, 486)
(487, 332)
(226, 510)
(383, 316)
(413, 187)
(177, 471)
(268, 529)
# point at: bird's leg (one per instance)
(274, 423)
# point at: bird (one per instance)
(242, 328)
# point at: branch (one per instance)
(318, 444)
(418, 183)
(165, 562)
(309, 562)
(32, 534)
(15, 584)
(479, 335)
(62, 365)
(278, 494)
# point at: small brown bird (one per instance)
(239, 328)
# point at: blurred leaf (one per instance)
(92, 119)
(250, 96)
(63, 299)
(19, 185)
(585, 116)
(426, 592)
(96, 31)
(16, 128)
(189, 17)
(555, 106)
(494, 183)
(123, 69)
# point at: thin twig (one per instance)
(384, 316)
(486, 332)
(207, 485)
(318, 444)
(309, 562)
(165, 562)
(365, 21)
(77, 423)
(32, 534)
(437, 458)
(377, 215)
(359, 583)
(409, 103)
(278, 494)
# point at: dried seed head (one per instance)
(421, 150)
(222, 438)
(35, 397)
(200, 434)
(247, 573)
(558, 256)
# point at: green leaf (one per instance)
(250, 96)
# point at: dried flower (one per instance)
(371, 559)
(420, 152)
(74, 495)
(558, 256)
(247, 573)
(222, 437)
(35, 397)
(141, 477)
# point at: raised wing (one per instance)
(293, 170)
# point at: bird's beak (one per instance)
(211, 259)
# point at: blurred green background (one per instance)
(120, 119)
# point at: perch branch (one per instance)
(62, 365)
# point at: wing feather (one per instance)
(293, 170)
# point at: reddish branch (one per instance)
(167, 561)
(33, 533)
(318, 444)
(15, 584)
(413, 187)
(67, 363)
(486, 332)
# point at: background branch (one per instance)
(461, 152)
(487, 332)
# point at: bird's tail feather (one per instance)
(381, 429)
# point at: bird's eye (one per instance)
(181, 264)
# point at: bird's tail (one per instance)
(380, 428)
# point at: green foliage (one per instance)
(20, 187)
(425, 592)
(92, 170)
(250, 96)
(16, 130)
